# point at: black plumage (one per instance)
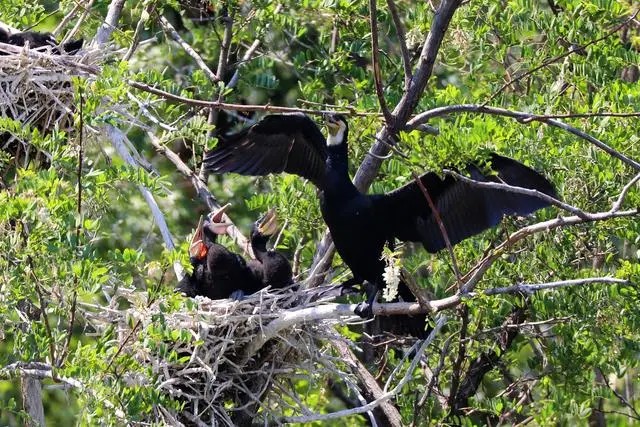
(361, 224)
(217, 272)
(37, 39)
(271, 266)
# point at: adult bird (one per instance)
(361, 224)
(273, 267)
(217, 272)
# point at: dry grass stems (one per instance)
(214, 366)
(36, 96)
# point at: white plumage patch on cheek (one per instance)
(336, 139)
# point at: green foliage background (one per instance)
(300, 62)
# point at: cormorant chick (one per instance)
(273, 267)
(217, 272)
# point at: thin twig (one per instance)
(79, 227)
(246, 57)
(402, 42)
(620, 397)
(136, 33)
(520, 116)
(79, 22)
(518, 190)
(443, 230)
(456, 369)
(375, 59)
(559, 57)
(171, 31)
(239, 107)
(371, 405)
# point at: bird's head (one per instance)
(207, 229)
(265, 226)
(337, 125)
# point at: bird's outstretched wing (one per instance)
(278, 143)
(465, 209)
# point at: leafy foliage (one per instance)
(579, 344)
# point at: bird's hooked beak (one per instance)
(197, 248)
(332, 124)
(268, 224)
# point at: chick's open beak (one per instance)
(197, 248)
(268, 224)
(216, 223)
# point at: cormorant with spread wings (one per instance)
(361, 224)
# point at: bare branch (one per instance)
(528, 289)
(405, 107)
(618, 203)
(375, 60)
(247, 56)
(85, 13)
(31, 391)
(42, 371)
(118, 140)
(519, 190)
(168, 28)
(136, 33)
(473, 277)
(239, 107)
(371, 405)
(402, 41)
(203, 192)
(620, 397)
(110, 23)
(368, 384)
(543, 117)
(520, 116)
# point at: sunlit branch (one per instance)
(388, 395)
(168, 28)
(520, 116)
(203, 192)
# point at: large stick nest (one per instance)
(208, 361)
(36, 94)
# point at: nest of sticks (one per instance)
(223, 363)
(36, 94)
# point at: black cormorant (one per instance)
(361, 224)
(36, 39)
(273, 267)
(217, 272)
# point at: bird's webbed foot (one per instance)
(237, 295)
(364, 310)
